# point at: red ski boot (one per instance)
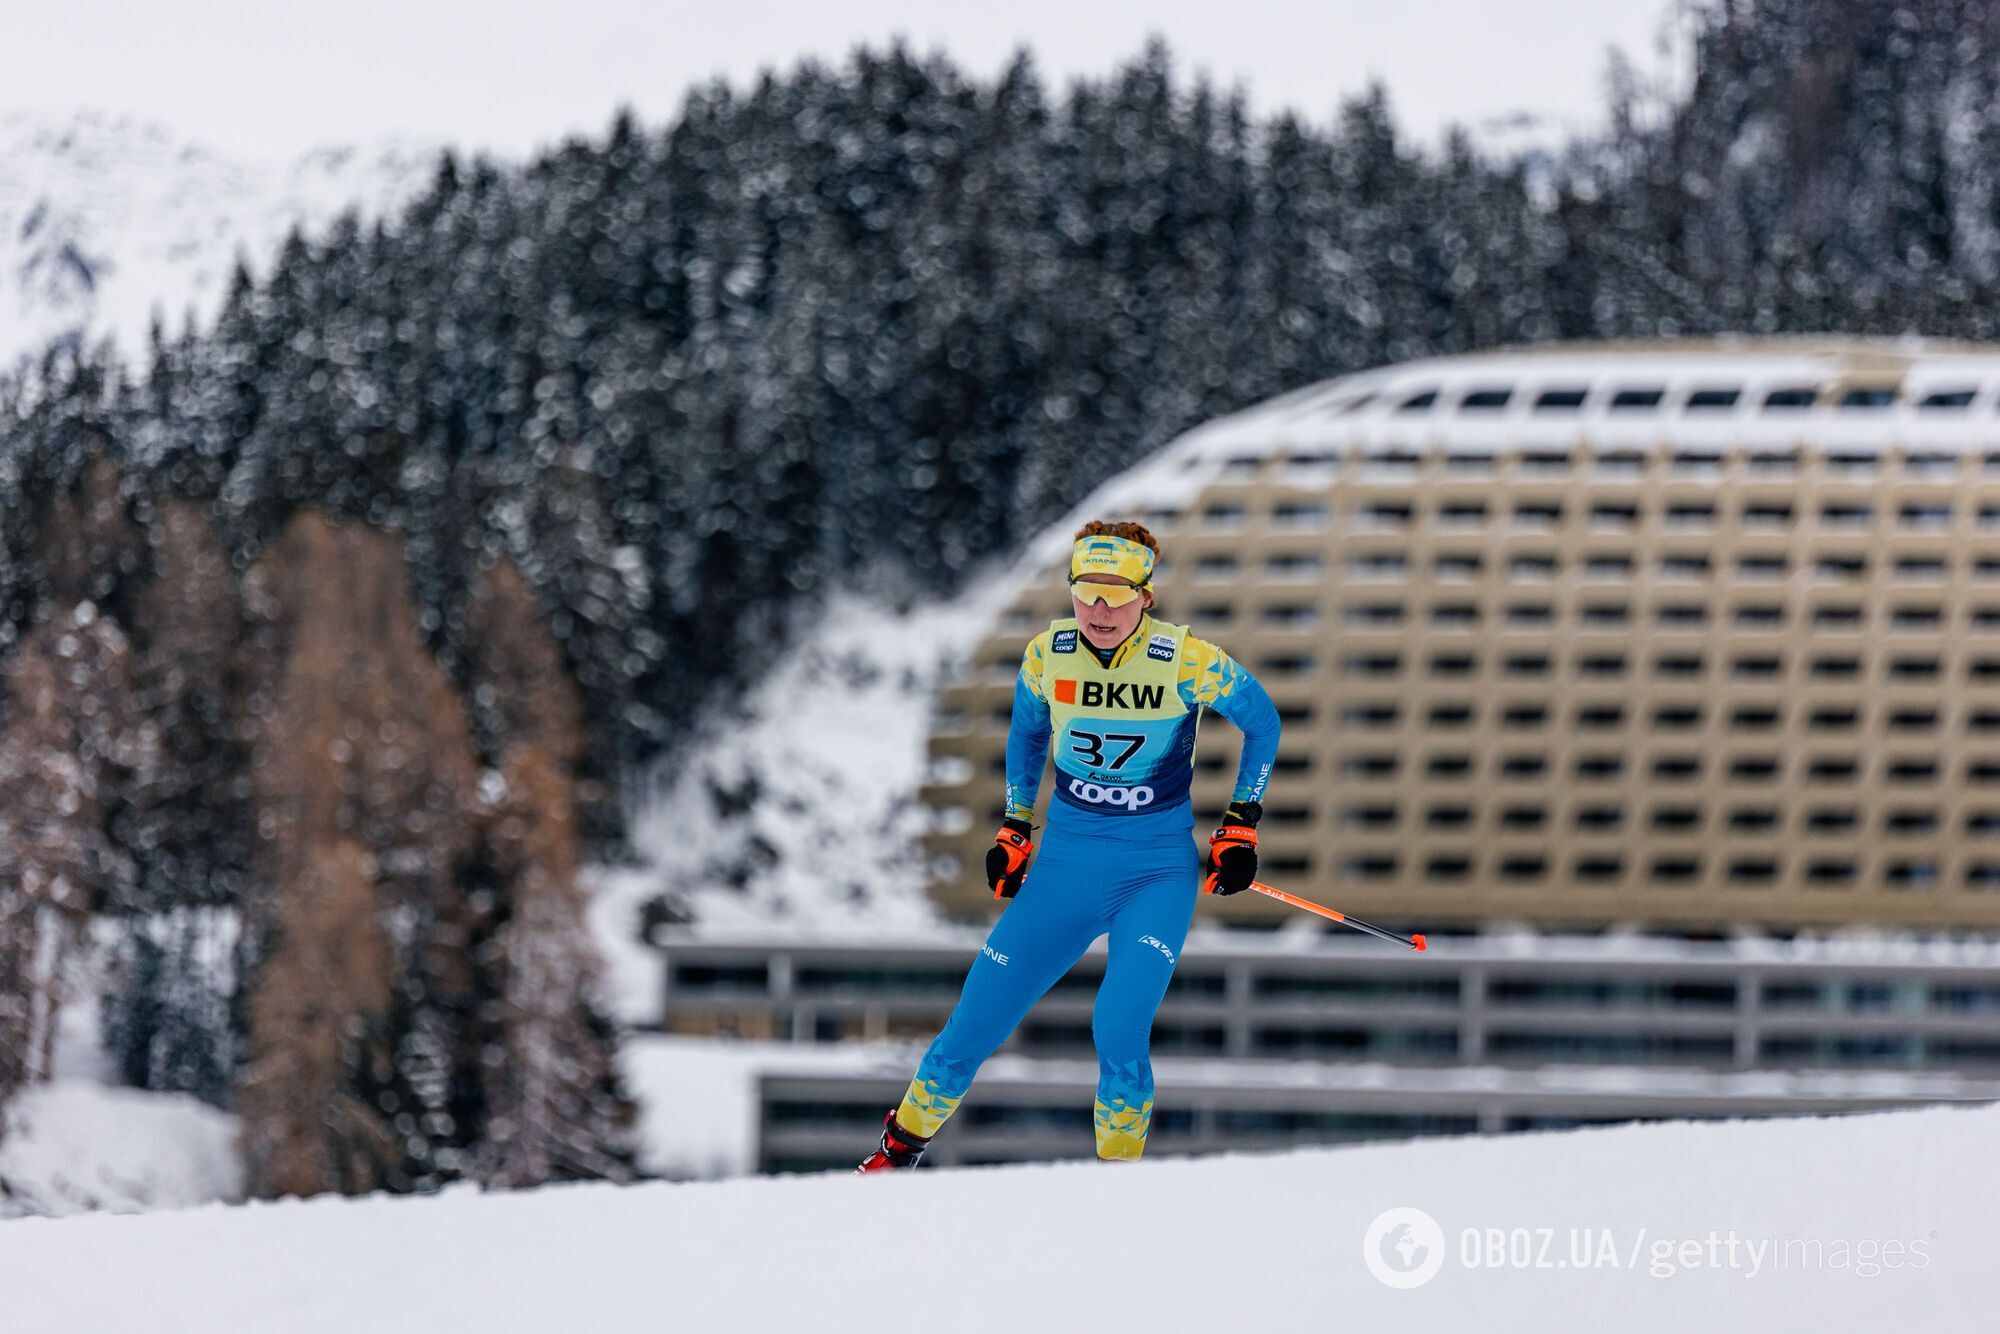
(899, 1148)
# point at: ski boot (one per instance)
(899, 1148)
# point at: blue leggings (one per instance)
(1081, 886)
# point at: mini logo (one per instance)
(1161, 647)
(1159, 945)
(1065, 691)
(1133, 797)
(1403, 1247)
(1064, 642)
(994, 955)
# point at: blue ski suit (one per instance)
(1117, 857)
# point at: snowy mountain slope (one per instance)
(104, 220)
(798, 809)
(1847, 1223)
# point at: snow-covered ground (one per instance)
(106, 220)
(1866, 1222)
(78, 1143)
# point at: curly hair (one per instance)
(1131, 532)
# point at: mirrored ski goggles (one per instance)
(1111, 595)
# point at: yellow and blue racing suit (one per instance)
(1117, 857)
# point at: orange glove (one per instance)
(1007, 859)
(1232, 850)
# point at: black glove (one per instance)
(1232, 849)
(1007, 859)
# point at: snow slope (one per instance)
(1849, 1223)
(105, 220)
(799, 809)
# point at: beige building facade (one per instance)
(1672, 636)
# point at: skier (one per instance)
(1119, 693)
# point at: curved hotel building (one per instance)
(1679, 636)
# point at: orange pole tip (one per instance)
(1418, 939)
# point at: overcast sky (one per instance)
(271, 78)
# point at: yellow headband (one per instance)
(1127, 559)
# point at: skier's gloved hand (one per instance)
(1232, 849)
(1007, 859)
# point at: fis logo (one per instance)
(1109, 694)
(1159, 945)
(1111, 795)
(1064, 642)
(1161, 647)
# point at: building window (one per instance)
(1832, 820)
(1677, 768)
(1457, 565)
(1712, 400)
(1675, 870)
(1289, 664)
(1461, 515)
(1373, 664)
(1448, 817)
(1599, 817)
(1362, 613)
(1636, 400)
(1600, 717)
(1485, 400)
(1370, 715)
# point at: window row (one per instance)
(1668, 564)
(1919, 873)
(1683, 768)
(1669, 666)
(1672, 818)
(1545, 514)
(1602, 716)
(1847, 461)
(1652, 398)
(1907, 616)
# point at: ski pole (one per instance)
(1415, 942)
